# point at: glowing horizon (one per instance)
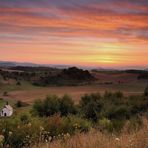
(107, 33)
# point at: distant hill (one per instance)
(47, 76)
(14, 64)
(70, 76)
(9, 64)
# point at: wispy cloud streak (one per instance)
(80, 26)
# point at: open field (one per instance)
(75, 92)
(115, 81)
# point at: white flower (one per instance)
(41, 128)
(10, 133)
(117, 139)
(1, 138)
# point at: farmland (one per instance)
(105, 81)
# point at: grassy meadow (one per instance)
(106, 109)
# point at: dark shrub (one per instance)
(118, 112)
(67, 106)
(21, 104)
(47, 107)
(18, 104)
(118, 94)
(146, 91)
(18, 83)
(138, 104)
(38, 108)
(105, 124)
(25, 118)
(5, 93)
(117, 125)
(53, 104)
(116, 98)
(90, 106)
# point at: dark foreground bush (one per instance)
(47, 107)
(146, 91)
(53, 104)
(21, 104)
(90, 106)
(67, 106)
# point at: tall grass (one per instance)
(95, 139)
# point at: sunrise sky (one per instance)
(105, 33)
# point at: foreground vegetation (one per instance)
(58, 118)
(95, 139)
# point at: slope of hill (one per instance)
(70, 76)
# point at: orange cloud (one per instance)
(92, 36)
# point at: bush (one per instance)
(47, 107)
(116, 98)
(79, 123)
(53, 104)
(118, 112)
(5, 93)
(18, 83)
(58, 126)
(90, 106)
(18, 104)
(25, 118)
(21, 104)
(146, 91)
(117, 125)
(105, 124)
(137, 104)
(67, 106)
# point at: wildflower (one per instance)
(7, 146)
(29, 124)
(117, 139)
(1, 138)
(10, 133)
(41, 128)
(50, 138)
(68, 135)
(27, 136)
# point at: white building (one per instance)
(7, 111)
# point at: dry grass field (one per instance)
(95, 139)
(75, 92)
(129, 85)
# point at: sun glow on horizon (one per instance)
(88, 33)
